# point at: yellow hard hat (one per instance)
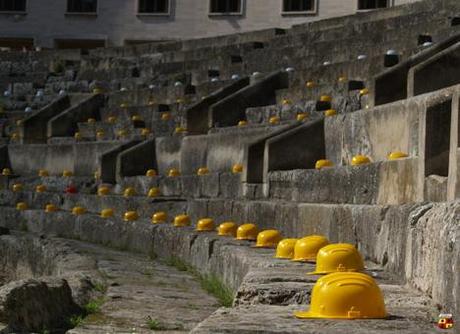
(330, 112)
(78, 210)
(154, 192)
(274, 120)
(151, 103)
(15, 136)
(130, 216)
(202, 171)
(237, 168)
(122, 133)
(19, 122)
(103, 191)
(345, 296)
(17, 187)
(342, 79)
(247, 232)
(100, 134)
(306, 248)
(302, 116)
(111, 119)
(310, 84)
(268, 239)
(6, 172)
(67, 173)
(136, 118)
(364, 91)
(173, 172)
(165, 116)
(205, 225)
(107, 213)
(325, 98)
(159, 217)
(323, 163)
(43, 173)
(77, 135)
(41, 188)
(338, 258)
(181, 221)
(128, 192)
(242, 123)
(180, 129)
(21, 206)
(145, 132)
(51, 208)
(151, 173)
(360, 160)
(397, 155)
(91, 120)
(97, 91)
(227, 229)
(286, 102)
(285, 249)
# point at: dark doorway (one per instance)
(437, 139)
(17, 43)
(79, 43)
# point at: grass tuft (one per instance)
(76, 321)
(99, 287)
(214, 286)
(210, 283)
(94, 306)
(178, 264)
(154, 324)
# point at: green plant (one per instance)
(94, 306)
(215, 287)
(154, 324)
(100, 287)
(178, 264)
(76, 320)
(210, 283)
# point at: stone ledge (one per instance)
(252, 273)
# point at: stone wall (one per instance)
(80, 158)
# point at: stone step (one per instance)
(380, 182)
(140, 289)
(256, 319)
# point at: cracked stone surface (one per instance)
(138, 289)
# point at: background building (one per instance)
(94, 23)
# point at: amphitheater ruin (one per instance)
(118, 165)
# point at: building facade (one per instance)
(95, 23)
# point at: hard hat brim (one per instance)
(319, 273)
(263, 246)
(311, 315)
(304, 260)
(246, 239)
